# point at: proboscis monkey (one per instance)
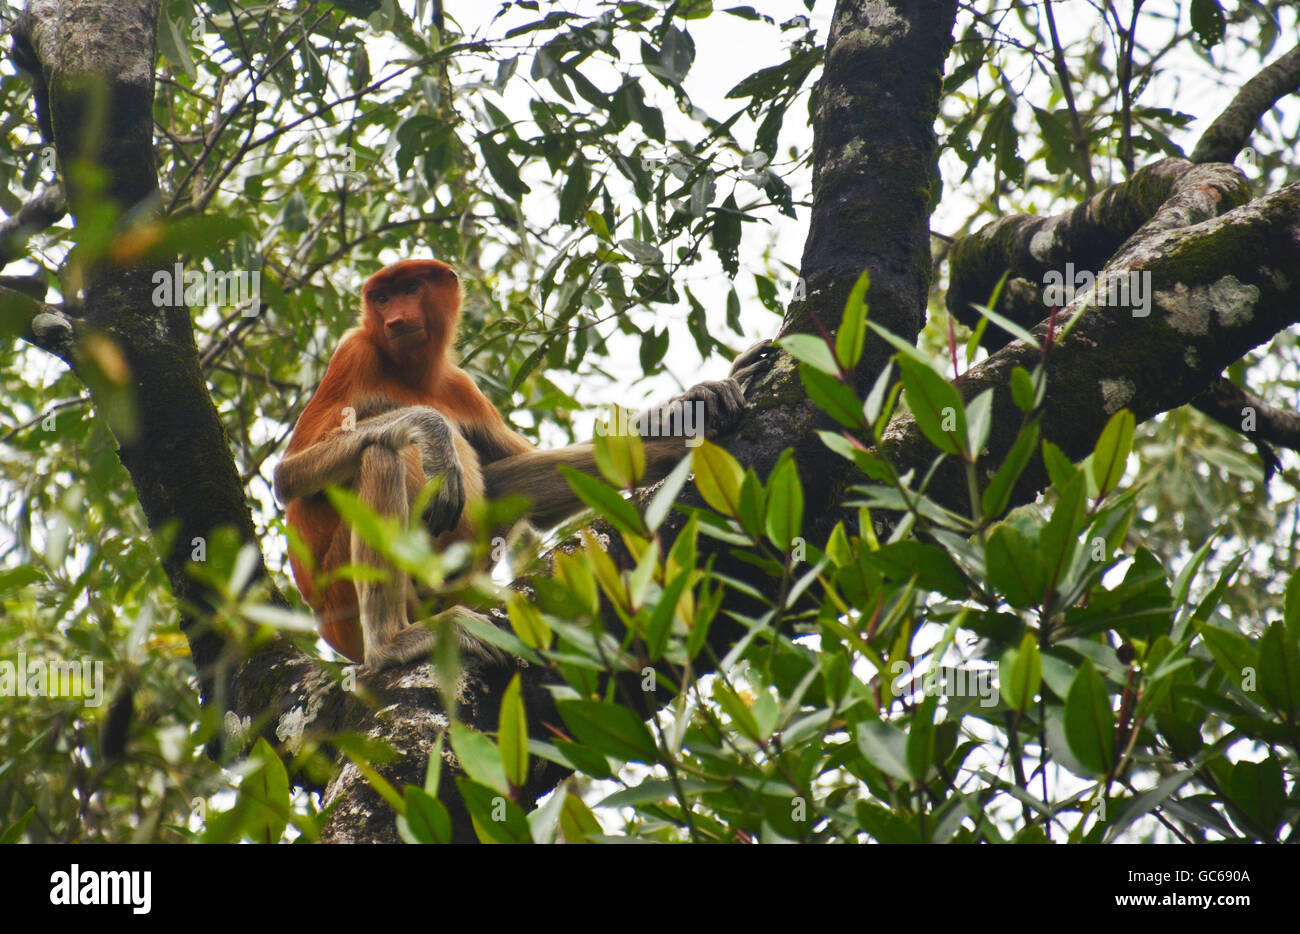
(394, 411)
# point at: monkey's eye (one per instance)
(410, 287)
(378, 298)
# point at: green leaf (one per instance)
(501, 168)
(979, 422)
(596, 221)
(612, 507)
(742, 718)
(1258, 789)
(936, 404)
(885, 747)
(931, 565)
(1015, 567)
(478, 757)
(752, 509)
(1291, 603)
(512, 734)
(884, 825)
(833, 396)
(1060, 536)
(1231, 651)
(658, 507)
(998, 493)
(577, 822)
(14, 832)
(876, 397)
(811, 350)
(784, 504)
(1089, 721)
(1007, 325)
(1020, 673)
(1148, 801)
(1279, 669)
(1208, 22)
(527, 623)
(573, 197)
(607, 728)
(620, 458)
(1111, 453)
(1022, 389)
(726, 235)
(1059, 467)
(660, 623)
(172, 44)
(852, 334)
(496, 818)
(426, 819)
(920, 740)
(1057, 140)
(264, 795)
(718, 477)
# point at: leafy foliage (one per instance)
(923, 676)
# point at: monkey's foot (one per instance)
(414, 643)
(753, 363)
(722, 404)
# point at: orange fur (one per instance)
(368, 363)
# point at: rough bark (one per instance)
(1025, 247)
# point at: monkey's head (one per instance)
(410, 308)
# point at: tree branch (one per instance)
(1246, 413)
(1217, 289)
(1232, 129)
(44, 210)
(1166, 194)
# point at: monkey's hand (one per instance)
(434, 435)
(429, 430)
(444, 509)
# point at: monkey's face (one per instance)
(411, 307)
(398, 308)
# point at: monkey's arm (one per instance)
(335, 459)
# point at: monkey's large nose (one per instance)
(399, 330)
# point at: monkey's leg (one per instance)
(386, 634)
